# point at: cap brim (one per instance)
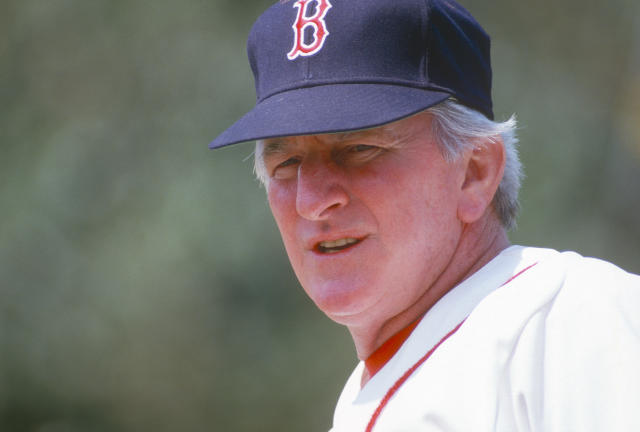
(327, 109)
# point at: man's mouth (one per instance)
(329, 247)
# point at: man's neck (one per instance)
(479, 243)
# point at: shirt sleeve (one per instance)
(576, 366)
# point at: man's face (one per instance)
(368, 219)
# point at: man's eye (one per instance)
(358, 148)
(359, 153)
(286, 169)
(288, 162)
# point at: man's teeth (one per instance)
(334, 246)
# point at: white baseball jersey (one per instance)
(549, 342)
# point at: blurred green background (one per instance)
(143, 285)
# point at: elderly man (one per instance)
(393, 189)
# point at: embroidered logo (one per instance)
(316, 22)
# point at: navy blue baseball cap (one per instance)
(323, 66)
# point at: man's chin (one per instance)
(343, 306)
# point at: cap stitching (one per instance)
(395, 82)
(424, 30)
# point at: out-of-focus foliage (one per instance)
(143, 285)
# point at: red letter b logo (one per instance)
(320, 32)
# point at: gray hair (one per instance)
(456, 129)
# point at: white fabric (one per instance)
(556, 349)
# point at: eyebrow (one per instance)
(354, 134)
(273, 147)
(270, 148)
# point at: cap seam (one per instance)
(424, 6)
(429, 37)
(421, 85)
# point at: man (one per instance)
(393, 190)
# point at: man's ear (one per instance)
(484, 169)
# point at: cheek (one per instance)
(425, 233)
(419, 210)
(282, 202)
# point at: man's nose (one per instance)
(320, 189)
